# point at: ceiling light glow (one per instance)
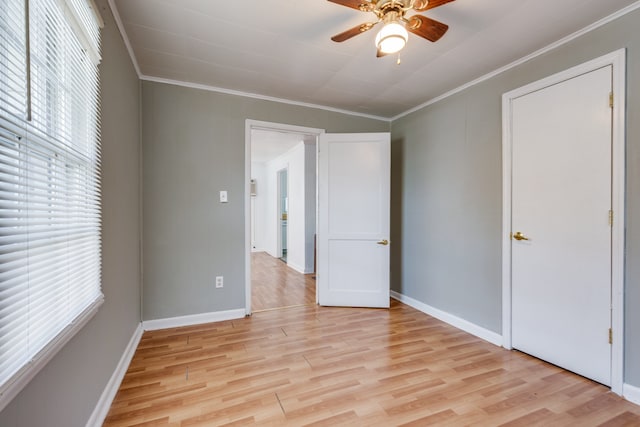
(391, 38)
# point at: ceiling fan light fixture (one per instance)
(391, 38)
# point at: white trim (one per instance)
(631, 393)
(125, 37)
(276, 220)
(106, 398)
(19, 380)
(506, 223)
(617, 61)
(276, 127)
(258, 96)
(524, 59)
(192, 319)
(457, 322)
(297, 268)
(618, 205)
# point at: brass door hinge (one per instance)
(611, 218)
(610, 336)
(611, 99)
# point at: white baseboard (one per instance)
(104, 403)
(465, 325)
(194, 319)
(296, 267)
(631, 393)
(272, 253)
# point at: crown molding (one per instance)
(524, 59)
(445, 95)
(258, 96)
(125, 37)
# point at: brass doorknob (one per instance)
(520, 236)
(384, 242)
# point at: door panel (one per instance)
(355, 199)
(561, 197)
(354, 173)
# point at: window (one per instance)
(49, 181)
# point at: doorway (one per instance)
(563, 219)
(281, 164)
(283, 208)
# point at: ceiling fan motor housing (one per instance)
(396, 26)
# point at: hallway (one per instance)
(274, 285)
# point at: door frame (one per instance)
(279, 242)
(617, 60)
(276, 127)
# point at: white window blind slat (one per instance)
(13, 89)
(14, 336)
(14, 279)
(50, 218)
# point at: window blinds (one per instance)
(49, 181)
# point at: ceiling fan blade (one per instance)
(380, 54)
(421, 5)
(425, 27)
(346, 35)
(362, 5)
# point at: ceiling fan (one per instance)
(394, 34)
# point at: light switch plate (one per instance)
(223, 197)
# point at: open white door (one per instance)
(353, 219)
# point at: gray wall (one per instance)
(65, 392)
(446, 208)
(193, 147)
(447, 189)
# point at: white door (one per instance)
(561, 199)
(353, 219)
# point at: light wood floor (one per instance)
(275, 285)
(322, 366)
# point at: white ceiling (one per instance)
(267, 145)
(282, 48)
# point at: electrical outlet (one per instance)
(219, 281)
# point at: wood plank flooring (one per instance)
(275, 285)
(321, 366)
